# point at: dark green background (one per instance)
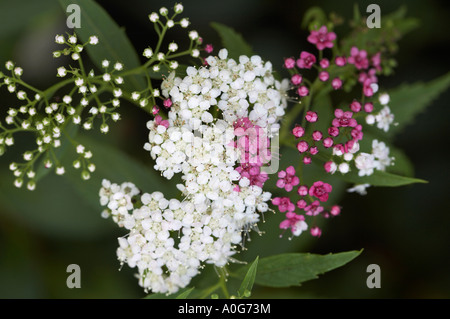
(404, 230)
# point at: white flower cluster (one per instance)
(366, 163)
(379, 159)
(219, 203)
(384, 118)
(244, 89)
(168, 239)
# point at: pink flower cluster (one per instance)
(342, 135)
(323, 39)
(310, 203)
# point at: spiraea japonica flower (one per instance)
(221, 160)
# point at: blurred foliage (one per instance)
(404, 230)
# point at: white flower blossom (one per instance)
(366, 164)
(359, 188)
(384, 118)
(93, 40)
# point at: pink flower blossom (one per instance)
(358, 58)
(243, 122)
(155, 109)
(336, 83)
(328, 142)
(298, 131)
(324, 63)
(295, 222)
(368, 107)
(343, 119)
(313, 150)
(296, 79)
(160, 121)
(324, 76)
(320, 190)
(289, 63)
(355, 106)
(311, 116)
(367, 78)
(340, 60)
(284, 204)
(330, 167)
(376, 61)
(167, 103)
(307, 160)
(306, 60)
(303, 91)
(322, 38)
(335, 210)
(317, 135)
(316, 231)
(302, 190)
(302, 146)
(357, 133)
(253, 173)
(368, 90)
(313, 209)
(333, 131)
(301, 204)
(287, 179)
(209, 48)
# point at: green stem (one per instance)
(29, 86)
(223, 282)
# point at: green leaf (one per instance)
(28, 10)
(356, 14)
(113, 45)
(249, 279)
(292, 269)
(182, 294)
(54, 208)
(118, 167)
(232, 41)
(314, 18)
(394, 26)
(407, 101)
(380, 178)
(402, 164)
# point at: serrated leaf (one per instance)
(113, 45)
(407, 101)
(292, 269)
(249, 279)
(232, 41)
